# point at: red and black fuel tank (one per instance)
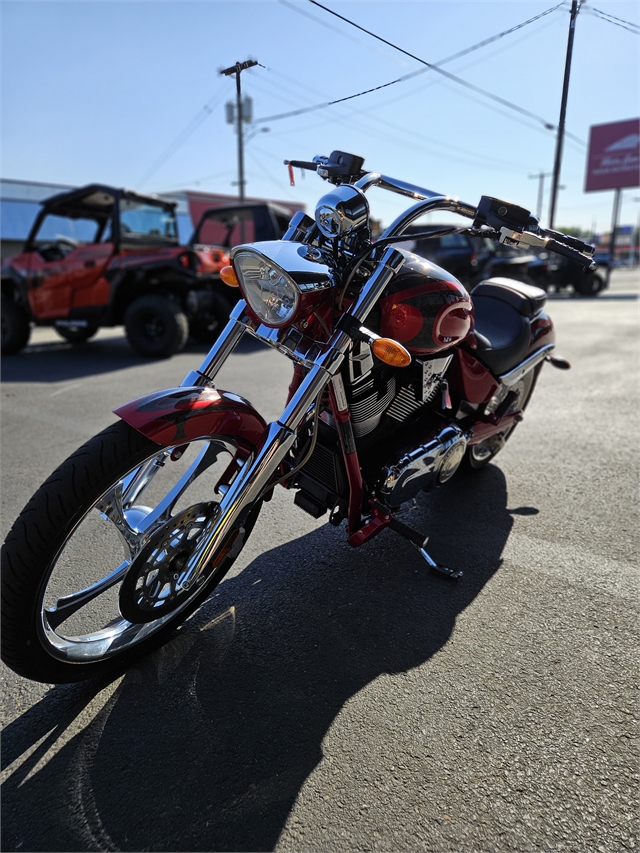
(425, 308)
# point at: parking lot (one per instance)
(344, 699)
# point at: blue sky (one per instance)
(99, 91)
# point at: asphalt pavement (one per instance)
(330, 698)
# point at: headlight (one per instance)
(342, 211)
(270, 291)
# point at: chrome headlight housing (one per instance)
(270, 291)
(342, 211)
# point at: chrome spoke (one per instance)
(70, 604)
(137, 481)
(110, 507)
(161, 513)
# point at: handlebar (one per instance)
(302, 164)
(506, 222)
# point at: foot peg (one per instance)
(418, 540)
(560, 363)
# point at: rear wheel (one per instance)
(156, 327)
(16, 328)
(91, 568)
(479, 455)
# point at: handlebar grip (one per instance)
(568, 240)
(302, 164)
(572, 254)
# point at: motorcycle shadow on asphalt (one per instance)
(206, 744)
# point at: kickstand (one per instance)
(418, 540)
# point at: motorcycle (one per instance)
(400, 377)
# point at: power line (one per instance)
(356, 117)
(201, 116)
(340, 32)
(406, 130)
(619, 22)
(209, 107)
(447, 74)
(430, 66)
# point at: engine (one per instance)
(424, 468)
(398, 451)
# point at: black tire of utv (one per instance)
(170, 320)
(203, 334)
(469, 462)
(77, 335)
(39, 533)
(590, 284)
(16, 327)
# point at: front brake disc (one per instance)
(151, 587)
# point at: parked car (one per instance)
(473, 259)
(459, 254)
(100, 256)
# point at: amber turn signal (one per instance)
(391, 352)
(228, 275)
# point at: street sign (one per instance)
(613, 161)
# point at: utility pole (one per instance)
(237, 69)
(575, 8)
(540, 176)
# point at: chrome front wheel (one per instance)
(92, 568)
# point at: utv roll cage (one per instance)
(99, 202)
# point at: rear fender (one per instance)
(178, 415)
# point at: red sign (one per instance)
(614, 156)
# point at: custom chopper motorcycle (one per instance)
(400, 377)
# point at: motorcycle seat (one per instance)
(525, 298)
(502, 333)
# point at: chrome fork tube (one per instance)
(250, 483)
(281, 435)
(220, 351)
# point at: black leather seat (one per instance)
(503, 309)
(503, 334)
(525, 298)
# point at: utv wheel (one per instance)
(207, 330)
(15, 327)
(156, 327)
(589, 284)
(77, 334)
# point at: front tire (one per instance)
(16, 328)
(156, 327)
(72, 607)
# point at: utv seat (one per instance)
(503, 310)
